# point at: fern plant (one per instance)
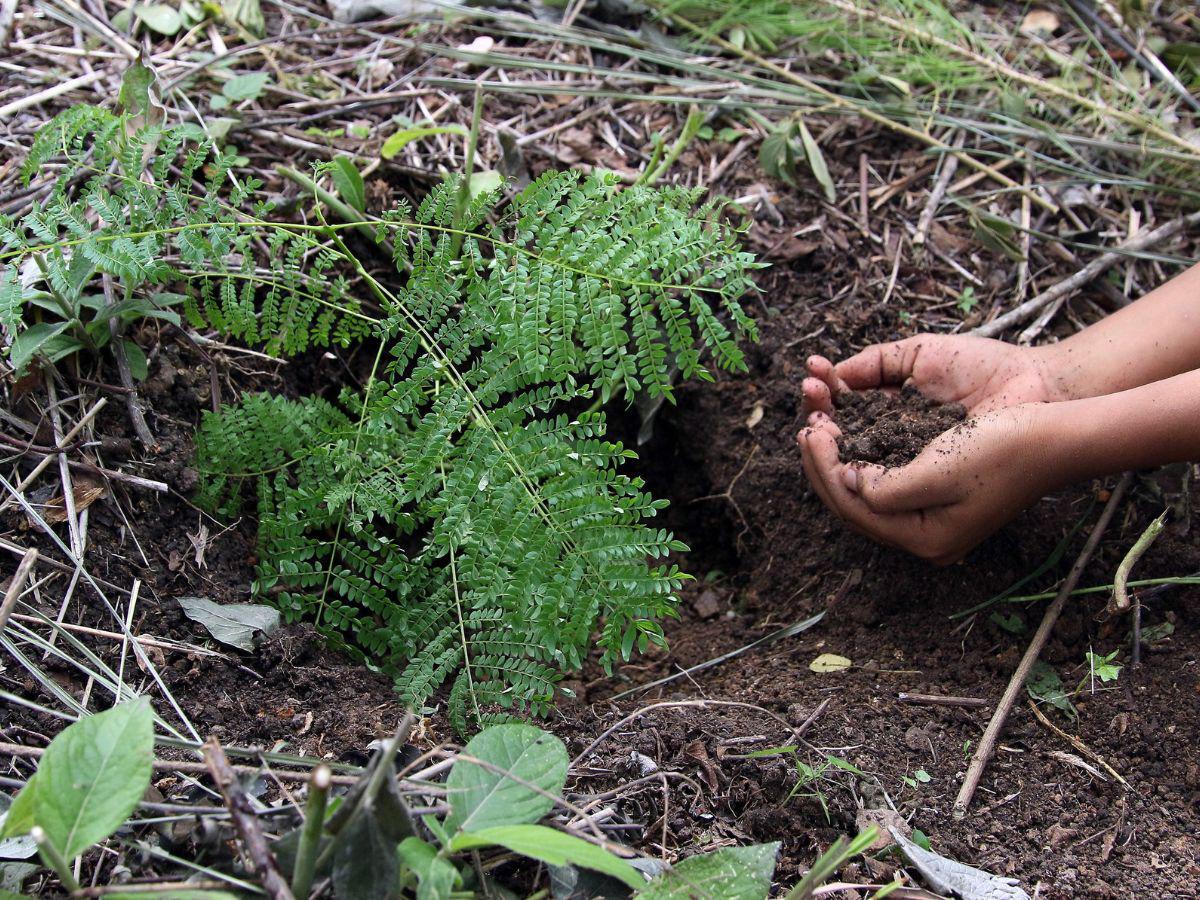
(462, 518)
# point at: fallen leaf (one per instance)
(1040, 23)
(481, 44)
(231, 623)
(829, 662)
(884, 819)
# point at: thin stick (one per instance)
(50, 93)
(67, 438)
(16, 585)
(194, 768)
(246, 822)
(949, 167)
(987, 743)
(1077, 744)
(1088, 273)
(117, 636)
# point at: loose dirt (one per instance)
(765, 554)
(891, 428)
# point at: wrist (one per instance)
(1063, 374)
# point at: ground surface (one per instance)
(765, 554)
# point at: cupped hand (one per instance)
(965, 485)
(982, 374)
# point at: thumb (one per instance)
(917, 485)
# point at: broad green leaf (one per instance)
(816, 162)
(1045, 684)
(553, 847)
(61, 347)
(482, 182)
(9, 895)
(401, 139)
(159, 17)
(133, 98)
(231, 623)
(138, 365)
(829, 662)
(364, 864)
(90, 778)
(14, 847)
(732, 873)
(777, 155)
(519, 755)
(349, 183)
(244, 87)
(436, 876)
(30, 341)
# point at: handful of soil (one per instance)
(891, 429)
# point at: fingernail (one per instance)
(850, 478)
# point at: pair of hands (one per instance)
(970, 480)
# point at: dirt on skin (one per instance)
(765, 554)
(891, 428)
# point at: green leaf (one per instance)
(90, 778)
(777, 155)
(732, 873)
(553, 847)
(436, 876)
(244, 87)
(349, 183)
(138, 365)
(482, 182)
(248, 14)
(9, 895)
(61, 347)
(1045, 684)
(31, 340)
(133, 98)
(159, 17)
(520, 755)
(401, 139)
(231, 623)
(816, 162)
(365, 865)
(14, 847)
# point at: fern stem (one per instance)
(343, 211)
(463, 199)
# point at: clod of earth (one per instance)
(892, 429)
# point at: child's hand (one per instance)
(965, 485)
(981, 374)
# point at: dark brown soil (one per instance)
(891, 429)
(765, 554)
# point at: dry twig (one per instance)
(987, 743)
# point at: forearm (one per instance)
(1154, 338)
(1143, 427)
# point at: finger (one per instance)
(880, 365)
(814, 475)
(816, 397)
(821, 368)
(898, 529)
(823, 422)
(922, 484)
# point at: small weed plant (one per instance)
(462, 518)
(370, 840)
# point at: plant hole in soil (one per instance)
(889, 428)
